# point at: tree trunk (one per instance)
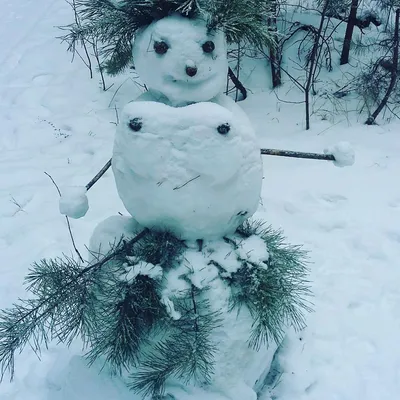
(394, 71)
(313, 63)
(344, 58)
(273, 51)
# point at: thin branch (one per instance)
(116, 115)
(298, 154)
(263, 152)
(88, 63)
(237, 83)
(190, 180)
(99, 174)
(394, 74)
(67, 219)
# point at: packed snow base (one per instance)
(229, 274)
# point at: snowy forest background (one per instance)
(333, 76)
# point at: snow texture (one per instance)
(348, 218)
(74, 202)
(169, 305)
(193, 170)
(254, 250)
(165, 75)
(344, 154)
(108, 233)
(143, 268)
(237, 367)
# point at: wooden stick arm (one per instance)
(298, 154)
(264, 152)
(99, 175)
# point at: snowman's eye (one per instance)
(208, 47)
(223, 129)
(135, 124)
(160, 47)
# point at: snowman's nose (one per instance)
(191, 71)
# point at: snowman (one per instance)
(186, 160)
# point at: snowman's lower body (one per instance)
(239, 369)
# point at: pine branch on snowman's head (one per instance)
(175, 41)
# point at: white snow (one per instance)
(343, 152)
(108, 233)
(165, 75)
(201, 273)
(178, 172)
(74, 202)
(254, 250)
(143, 268)
(169, 305)
(222, 253)
(348, 218)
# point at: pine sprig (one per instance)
(113, 24)
(71, 305)
(276, 294)
(160, 248)
(116, 305)
(187, 353)
(125, 316)
(57, 312)
(242, 21)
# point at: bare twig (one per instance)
(116, 115)
(99, 174)
(88, 63)
(67, 219)
(237, 83)
(298, 154)
(313, 63)
(15, 202)
(393, 74)
(190, 180)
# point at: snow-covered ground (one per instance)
(54, 119)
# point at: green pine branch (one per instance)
(114, 24)
(120, 314)
(125, 315)
(61, 309)
(276, 293)
(187, 353)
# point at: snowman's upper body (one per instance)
(180, 60)
(185, 156)
(194, 170)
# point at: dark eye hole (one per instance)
(135, 124)
(160, 47)
(223, 129)
(208, 47)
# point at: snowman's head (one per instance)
(181, 59)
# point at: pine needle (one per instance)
(114, 24)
